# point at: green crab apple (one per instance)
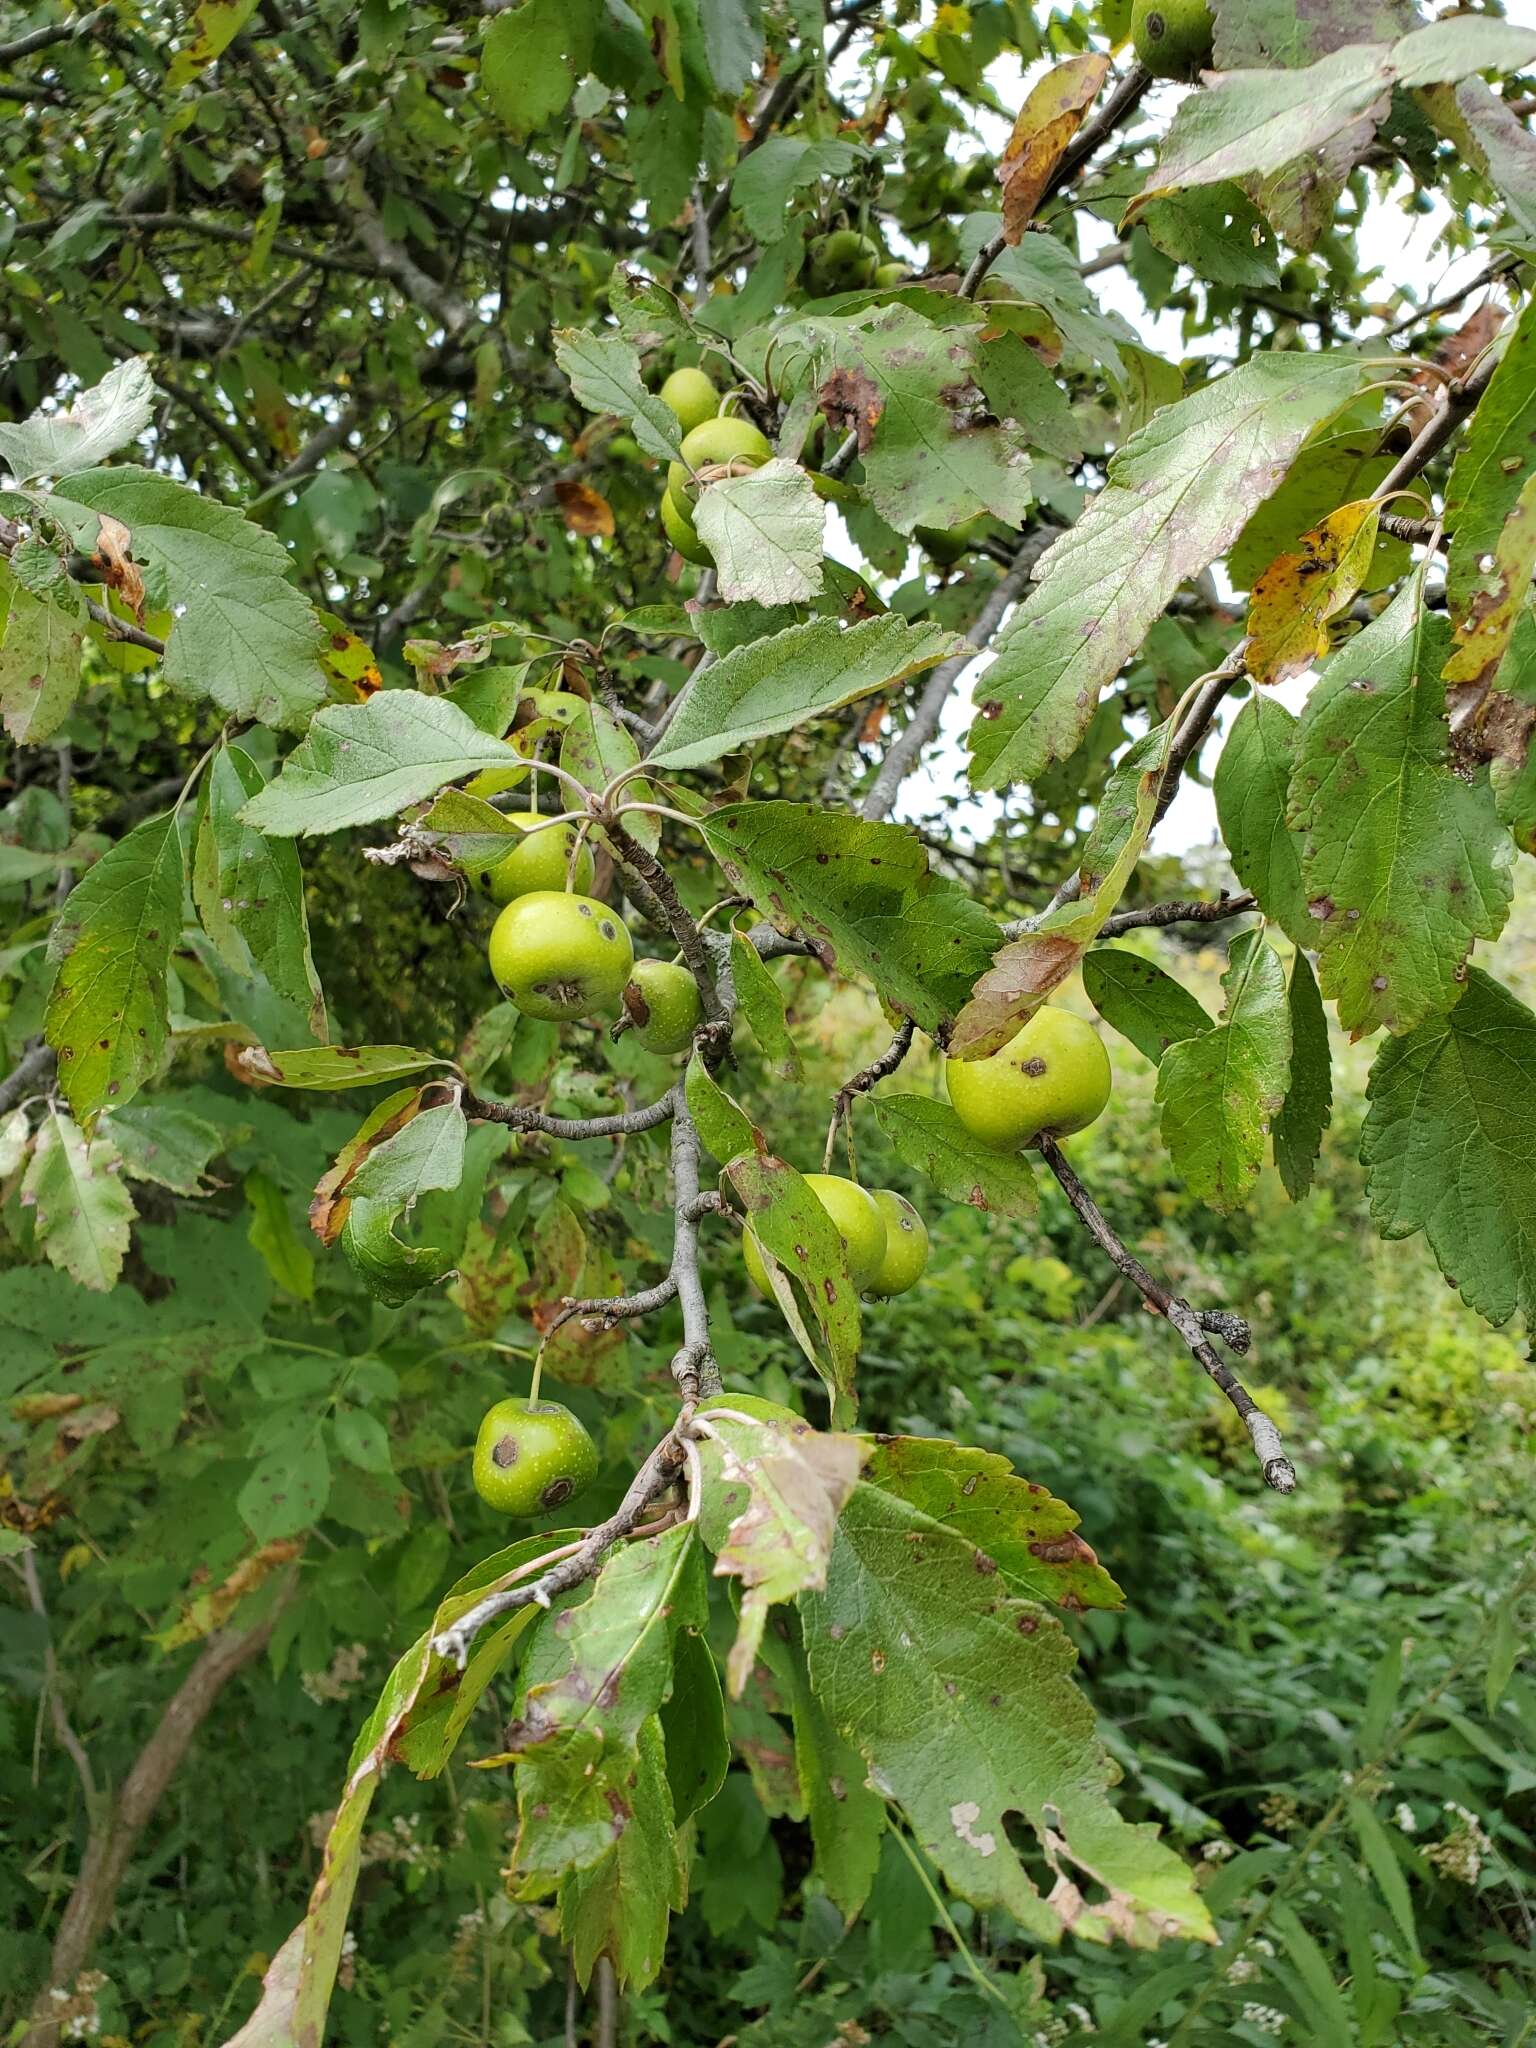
(682, 532)
(663, 1003)
(532, 1457)
(559, 956)
(726, 439)
(860, 1224)
(906, 1245)
(692, 396)
(1053, 1078)
(540, 859)
(844, 261)
(1173, 38)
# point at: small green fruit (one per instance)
(1052, 1079)
(664, 1005)
(540, 860)
(1173, 38)
(948, 545)
(844, 261)
(560, 956)
(727, 439)
(889, 275)
(906, 1245)
(692, 396)
(682, 533)
(860, 1224)
(532, 1457)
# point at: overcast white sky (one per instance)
(1401, 245)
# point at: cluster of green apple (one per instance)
(846, 261)
(710, 437)
(885, 1238)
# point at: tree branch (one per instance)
(1155, 915)
(32, 1071)
(519, 1117)
(1192, 1324)
(635, 860)
(693, 1364)
(56, 32)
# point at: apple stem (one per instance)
(538, 1373)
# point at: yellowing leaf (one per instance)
(1503, 577)
(1047, 122)
(1298, 594)
(584, 510)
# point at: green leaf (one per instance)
(772, 1496)
(930, 1138)
(283, 1252)
(242, 634)
(1254, 122)
(1503, 1652)
(216, 23)
(81, 1209)
(361, 762)
(1141, 1002)
(619, 1907)
(1447, 1145)
(79, 435)
(249, 891)
(1017, 1529)
(766, 181)
(1340, 462)
(1219, 233)
(1221, 1091)
(1308, 1110)
(723, 1124)
(773, 684)
(287, 1492)
(164, 1143)
(1250, 785)
(595, 749)
(761, 1001)
(864, 897)
(764, 531)
(1328, 2012)
(933, 452)
(800, 1242)
(693, 1723)
(333, 1066)
(106, 1016)
(1381, 1861)
(1176, 497)
(427, 1152)
(846, 1814)
(39, 660)
(531, 59)
(363, 1440)
(605, 377)
(594, 1675)
(1405, 863)
(961, 1702)
(733, 42)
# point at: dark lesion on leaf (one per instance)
(852, 401)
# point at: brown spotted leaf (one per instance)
(1483, 630)
(801, 1244)
(773, 1493)
(584, 510)
(1047, 122)
(931, 1139)
(1299, 593)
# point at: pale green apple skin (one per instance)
(530, 1460)
(541, 860)
(692, 396)
(560, 956)
(682, 532)
(719, 440)
(860, 1224)
(663, 1002)
(906, 1245)
(1052, 1079)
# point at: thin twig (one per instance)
(1192, 1324)
(860, 1083)
(636, 860)
(62, 1726)
(518, 1116)
(1154, 916)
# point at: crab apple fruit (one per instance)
(906, 1245)
(532, 1457)
(559, 956)
(888, 275)
(860, 1224)
(682, 533)
(539, 860)
(844, 261)
(692, 396)
(1053, 1078)
(727, 439)
(1173, 38)
(664, 1005)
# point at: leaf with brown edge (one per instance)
(328, 1205)
(114, 559)
(773, 1493)
(1503, 576)
(584, 510)
(1047, 122)
(1025, 972)
(1299, 593)
(852, 404)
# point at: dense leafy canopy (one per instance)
(335, 564)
